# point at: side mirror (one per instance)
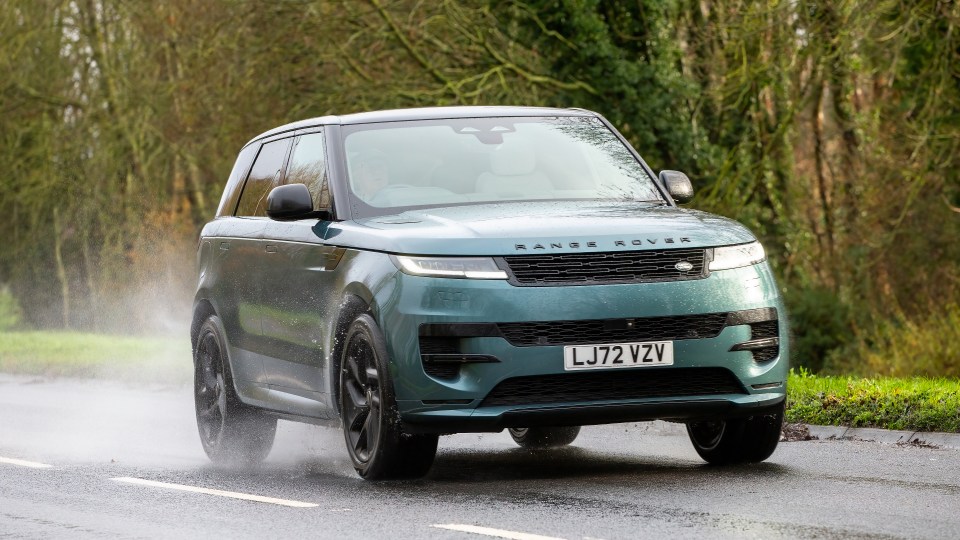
(291, 201)
(678, 185)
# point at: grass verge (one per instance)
(915, 403)
(75, 354)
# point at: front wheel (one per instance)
(544, 437)
(751, 440)
(230, 431)
(375, 441)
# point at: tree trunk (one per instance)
(61, 268)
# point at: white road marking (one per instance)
(496, 533)
(24, 463)
(208, 491)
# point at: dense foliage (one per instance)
(831, 128)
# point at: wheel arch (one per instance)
(202, 310)
(352, 306)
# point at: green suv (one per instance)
(411, 273)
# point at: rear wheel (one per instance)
(752, 439)
(544, 437)
(375, 441)
(230, 431)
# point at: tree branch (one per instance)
(413, 51)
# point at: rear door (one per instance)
(242, 250)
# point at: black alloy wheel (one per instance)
(544, 437)
(743, 440)
(372, 429)
(362, 412)
(230, 432)
(707, 435)
(209, 389)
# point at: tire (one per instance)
(372, 430)
(748, 440)
(544, 437)
(231, 432)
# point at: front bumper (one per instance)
(431, 404)
(492, 419)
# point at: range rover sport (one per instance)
(411, 273)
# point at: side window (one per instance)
(263, 177)
(231, 193)
(308, 166)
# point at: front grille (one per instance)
(605, 267)
(613, 385)
(527, 334)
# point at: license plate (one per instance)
(618, 355)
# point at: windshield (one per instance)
(396, 166)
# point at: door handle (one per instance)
(270, 248)
(224, 246)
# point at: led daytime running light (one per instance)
(727, 257)
(451, 267)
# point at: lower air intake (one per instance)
(613, 385)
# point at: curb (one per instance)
(887, 436)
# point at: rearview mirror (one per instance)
(678, 185)
(291, 201)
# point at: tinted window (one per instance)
(263, 177)
(228, 202)
(308, 166)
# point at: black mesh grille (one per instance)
(526, 334)
(765, 329)
(439, 345)
(764, 355)
(441, 370)
(613, 385)
(606, 267)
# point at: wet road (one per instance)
(107, 445)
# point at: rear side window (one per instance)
(231, 193)
(263, 177)
(308, 166)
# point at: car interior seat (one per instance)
(513, 174)
(458, 173)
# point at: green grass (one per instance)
(74, 354)
(915, 403)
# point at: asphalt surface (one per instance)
(102, 441)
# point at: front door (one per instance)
(298, 278)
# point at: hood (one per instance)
(543, 227)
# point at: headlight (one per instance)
(451, 267)
(727, 257)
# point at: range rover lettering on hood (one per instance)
(594, 244)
